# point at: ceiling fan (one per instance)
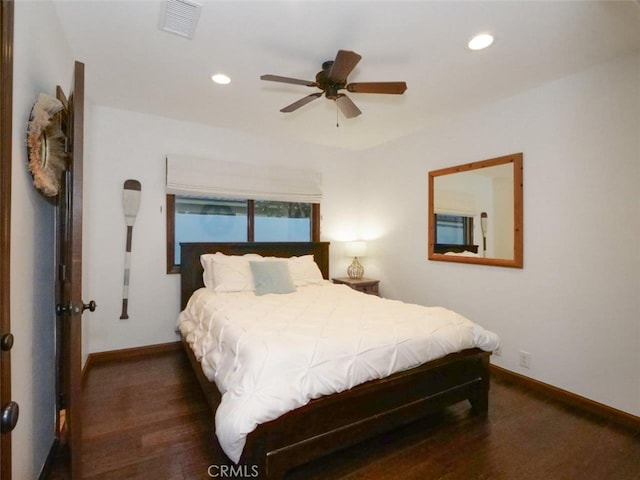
(332, 78)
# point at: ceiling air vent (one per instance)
(180, 17)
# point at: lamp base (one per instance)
(355, 270)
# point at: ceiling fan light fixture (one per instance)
(480, 41)
(220, 79)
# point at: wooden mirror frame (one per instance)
(517, 260)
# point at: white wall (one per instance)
(41, 61)
(576, 304)
(131, 145)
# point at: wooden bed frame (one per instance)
(337, 421)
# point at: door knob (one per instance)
(91, 306)
(6, 342)
(9, 417)
(75, 309)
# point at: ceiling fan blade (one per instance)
(296, 81)
(396, 88)
(347, 107)
(342, 66)
(301, 103)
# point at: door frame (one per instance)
(69, 280)
(6, 135)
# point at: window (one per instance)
(200, 219)
(282, 221)
(197, 219)
(454, 229)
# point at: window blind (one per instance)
(451, 202)
(215, 178)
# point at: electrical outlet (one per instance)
(525, 359)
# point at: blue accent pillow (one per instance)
(272, 277)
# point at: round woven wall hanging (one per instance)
(45, 144)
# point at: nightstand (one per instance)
(364, 285)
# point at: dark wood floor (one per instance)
(145, 418)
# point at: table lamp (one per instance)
(355, 249)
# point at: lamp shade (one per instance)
(355, 249)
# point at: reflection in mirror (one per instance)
(475, 213)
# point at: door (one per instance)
(9, 410)
(69, 281)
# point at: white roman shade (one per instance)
(214, 178)
(450, 202)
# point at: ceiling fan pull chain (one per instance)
(337, 118)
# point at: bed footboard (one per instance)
(335, 422)
(338, 421)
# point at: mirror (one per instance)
(475, 213)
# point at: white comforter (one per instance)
(273, 353)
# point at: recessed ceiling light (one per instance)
(220, 79)
(480, 41)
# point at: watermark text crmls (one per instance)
(233, 471)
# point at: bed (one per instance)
(332, 422)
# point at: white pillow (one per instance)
(228, 273)
(304, 271)
(206, 260)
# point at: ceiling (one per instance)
(131, 64)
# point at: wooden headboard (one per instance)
(191, 269)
